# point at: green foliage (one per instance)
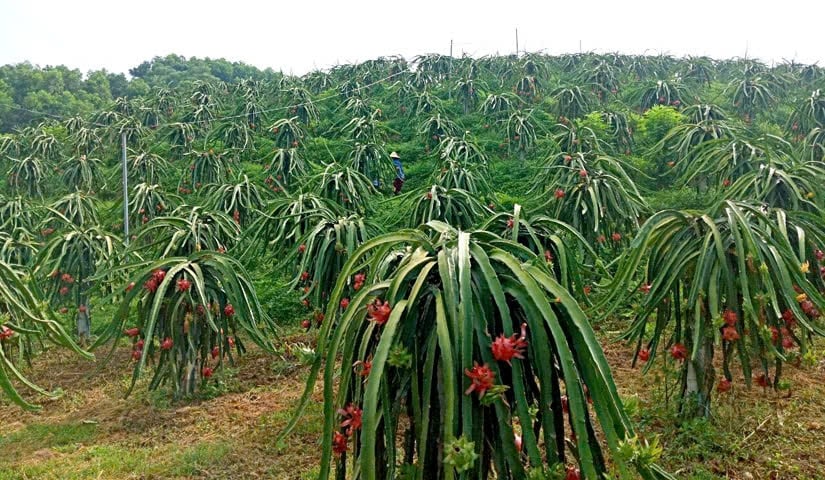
(190, 312)
(280, 300)
(445, 295)
(344, 185)
(454, 206)
(70, 263)
(187, 230)
(149, 201)
(243, 200)
(656, 123)
(593, 193)
(741, 279)
(323, 249)
(24, 323)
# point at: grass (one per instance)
(92, 432)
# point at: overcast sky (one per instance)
(297, 36)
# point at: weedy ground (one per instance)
(230, 432)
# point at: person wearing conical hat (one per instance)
(399, 173)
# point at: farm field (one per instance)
(529, 267)
(93, 432)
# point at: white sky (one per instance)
(300, 35)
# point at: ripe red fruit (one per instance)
(339, 443)
(130, 286)
(507, 348)
(352, 418)
(583, 173)
(362, 368)
(132, 332)
(82, 309)
(64, 310)
(378, 311)
(358, 281)
(151, 285)
(305, 324)
(774, 334)
(567, 158)
(819, 254)
(159, 275)
(230, 341)
(183, 285)
(6, 332)
(662, 99)
(789, 318)
(600, 239)
(548, 256)
(229, 310)
(559, 194)
(206, 372)
(644, 354)
(726, 182)
(136, 354)
(166, 344)
(216, 352)
(762, 380)
(730, 317)
(344, 303)
(302, 248)
(724, 385)
(645, 288)
(139, 344)
(807, 306)
(787, 343)
(319, 317)
(510, 223)
(587, 289)
(730, 334)
(64, 290)
(305, 302)
(67, 278)
(481, 379)
(572, 473)
(616, 237)
(678, 352)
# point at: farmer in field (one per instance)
(399, 173)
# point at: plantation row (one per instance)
(543, 194)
